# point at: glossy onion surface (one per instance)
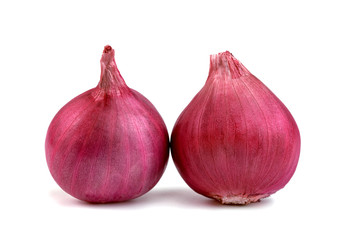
(108, 144)
(236, 141)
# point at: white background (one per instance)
(307, 52)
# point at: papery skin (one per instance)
(108, 144)
(236, 141)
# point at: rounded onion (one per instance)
(236, 141)
(108, 144)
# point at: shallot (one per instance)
(236, 141)
(108, 144)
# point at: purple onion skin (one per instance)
(236, 141)
(108, 144)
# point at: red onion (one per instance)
(108, 144)
(236, 141)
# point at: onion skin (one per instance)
(236, 141)
(108, 144)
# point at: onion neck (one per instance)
(111, 81)
(225, 65)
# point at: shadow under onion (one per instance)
(164, 197)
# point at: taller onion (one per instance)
(108, 144)
(236, 141)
